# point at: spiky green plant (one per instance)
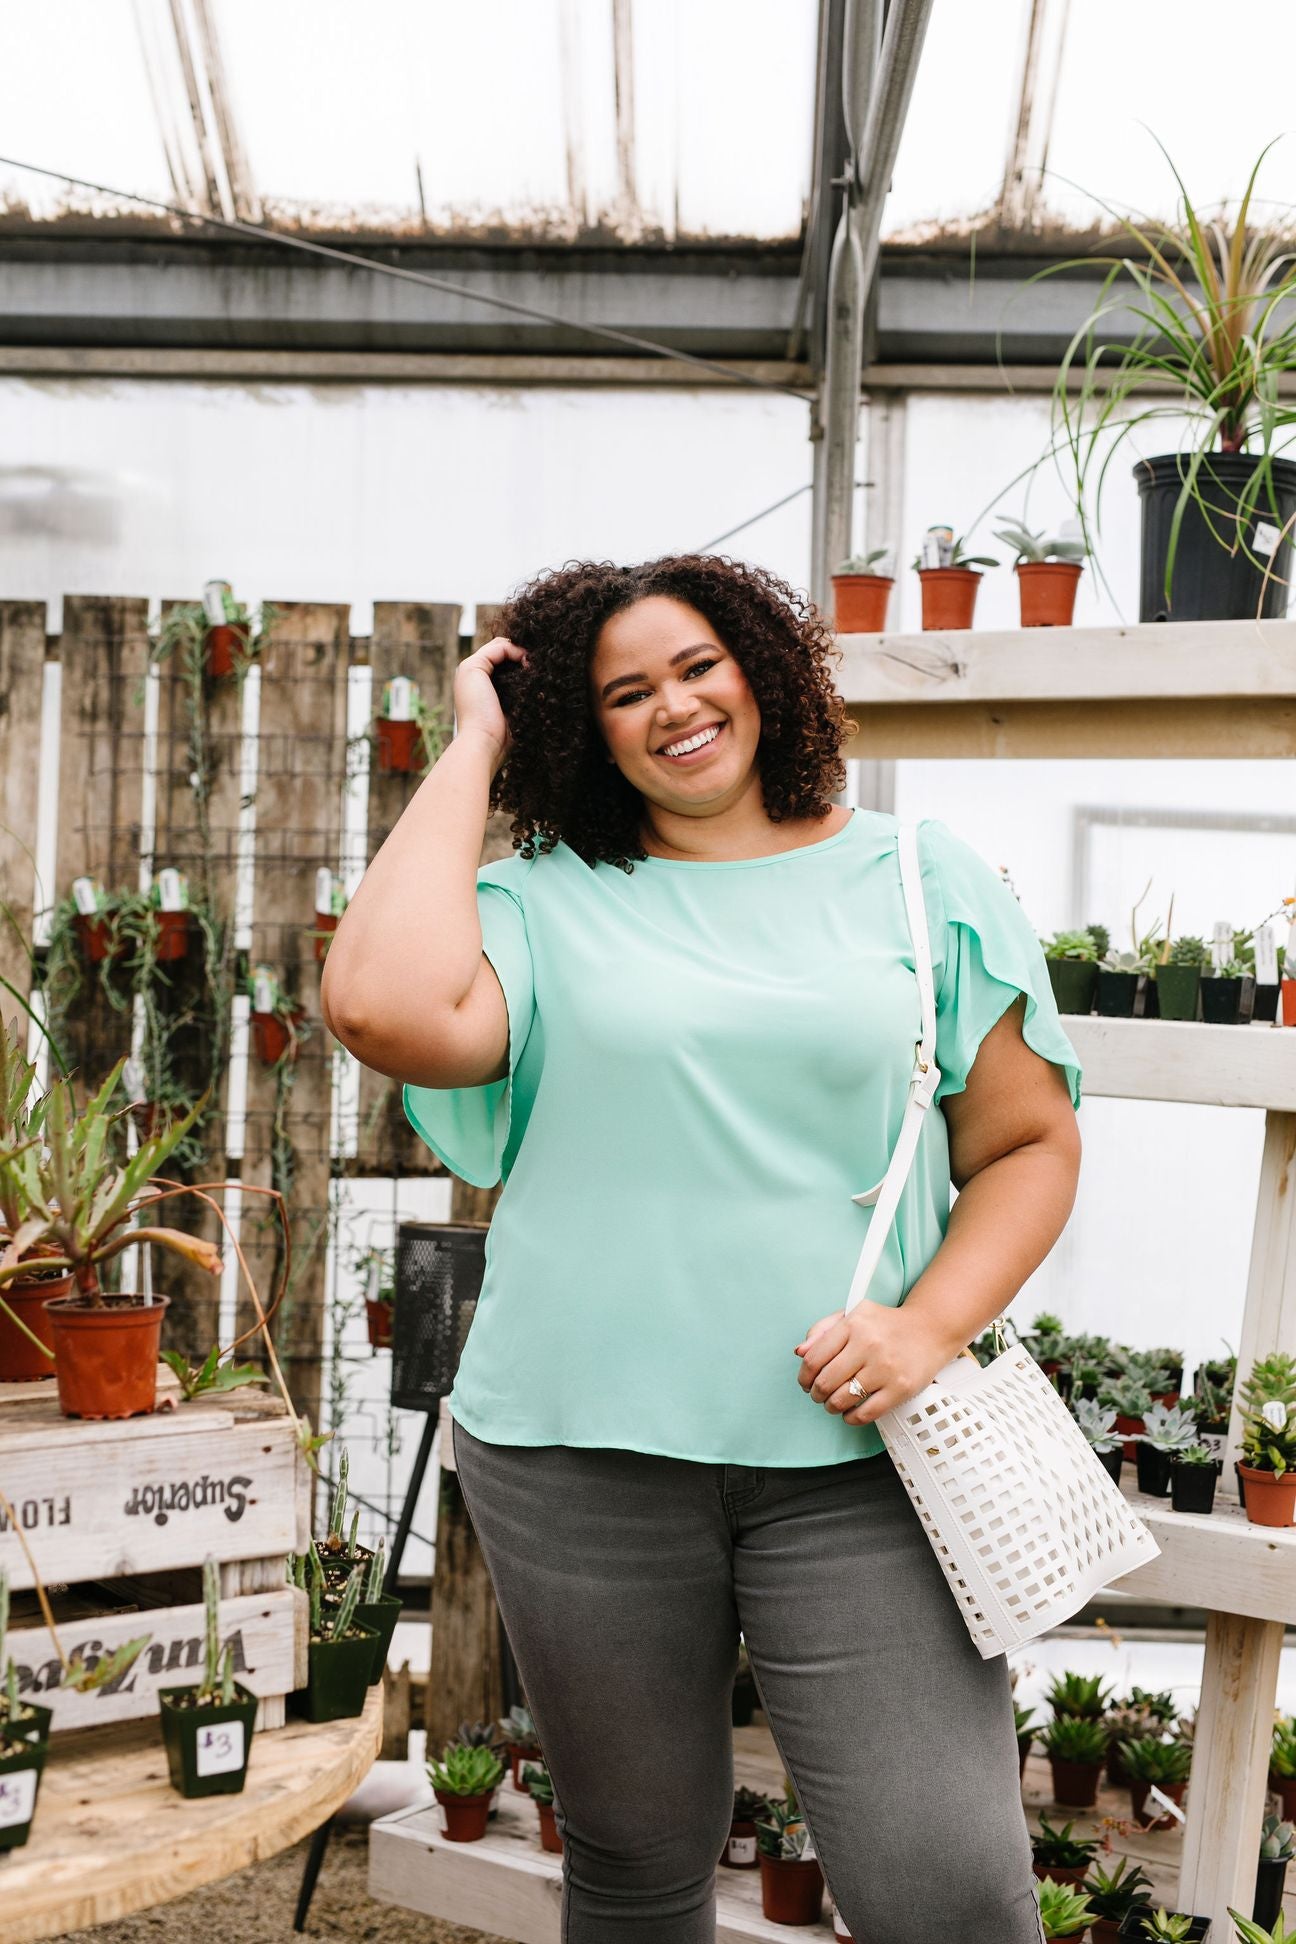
(1059, 1849)
(1167, 1927)
(1036, 547)
(1149, 1759)
(781, 1831)
(376, 1572)
(466, 1771)
(1075, 1738)
(1253, 1933)
(1083, 1695)
(1064, 1910)
(337, 1508)
(1112, 1892)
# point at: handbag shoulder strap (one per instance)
(884, 1197)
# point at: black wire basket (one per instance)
(439, 1267)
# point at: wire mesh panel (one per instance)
(439, 1268)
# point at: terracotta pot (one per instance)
(465, 1815)
(948, 597)
(378, 1316)
(96, 938)
(1130, 1427)
(1154, 1819)
(270, 1035)
(740, 1848)
(1104, 1930)
(226, 641)
(172, 935)
(791, 1890)
(326, 922)
(549, 1837)
(106, 1359)
(839, 1926)
(20, 1361)
(1285, 1785)
(860, 602)
(518, 1759)
(1075, 1784)
(1069, 1873)
(1269, 1501)
(1287, 989)
(399, 747)
(1048, 592)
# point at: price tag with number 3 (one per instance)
(220, 1749)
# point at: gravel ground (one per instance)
(256, 1907)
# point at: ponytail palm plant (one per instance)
(1213, 302)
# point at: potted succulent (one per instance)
(1045, 1341)
(1179, 976)
(740, 1844)
(340, 1554)
(1282, 1764)
(1227, 990)
(518, 1732)
(464, 1782)
(95, 921)
(1153, 1759)
(1022, 1720)
(408, 736)
(378, 1610)
(1277, 1846)
(80, 1206)
(340, 1649)
(1113, 1894)
(1048, 572)
(1194, 1472)
(1267, 1467)
(791, 1879)
(1117, 989)
(1212, 1405)
(330, 903)
(861, 591)
(1164, 1927)
(22, 1763)
(1249, 1932)
(1072, 958)
(538, 1784)
(1064, 1911)
(1131, 1400)
(1165, 1433)
(228, 643)
(950, 579)
(1081, 1696)
(170, 916)
(483, 1734)
(278, 1022)
(1076, 1749)
(207, 1729)
(1139, 1714)
(1058, 1854)
(375, 1265)
(1098, 1422)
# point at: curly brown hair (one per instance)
(557, 782)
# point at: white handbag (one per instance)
(1022, 1516)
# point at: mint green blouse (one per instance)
(706, 1061)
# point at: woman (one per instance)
(680, 1022)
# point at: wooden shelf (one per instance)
(1217, 1560)
(1187, 689)
(508, 1885)
(1175, 1059)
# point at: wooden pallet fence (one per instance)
(22, 673)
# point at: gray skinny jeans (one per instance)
(623, 1579)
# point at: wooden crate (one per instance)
(119, 1518)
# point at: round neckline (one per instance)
(746, 863)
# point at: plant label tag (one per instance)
(1167, 1803)
(324, 890)
(263, 991)
(85, 897)
(400, 699)
(213, 602)
(1221, 945)
(1265, 538)
(170, 889)
(17, 1797)
(1266, 956)
(742, 1849)
(220, 1749)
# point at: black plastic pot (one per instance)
(1153, 1468)
(1192, 1487)
(1132, 1925)
(338, 1567)
(1210, 583)
(1147, 1005)
(1117, 992)
(1264, 1002)
(1178, 987)
(1226, 1002)
(1073, 982)
(338, 1681)
(207, 1748)
(1111, 1463)
(380, 1614)
(20, 1774)
(1268, 1892)
(34, 1722)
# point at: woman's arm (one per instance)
(1015, 1160)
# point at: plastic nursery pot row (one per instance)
(1047, 590)
(1177, 992)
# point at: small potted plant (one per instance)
(1131, 1401)
(1098, 1422)
(518, 1732)
(861, 590)
(1076, 1749)
(1064, 1910)
(1082, 1696)
(1072, 958)
(1117, 987)
(538, 1784)
(1048, 573)
(1023, 1719)
(1045, 1341)
(484, 1734)
(1057, 1853)
(278, 1022)
(740, 1845)
(408, 736)
(340, 1648)
(1267, 1467)
(463, 1782)
(791, 1879)
(1227, 989)
(1164, 1927)
(1282, 1764)
(22, 1763)
(95, 921)
(950, 579)
(1277, 1846)
(1133, 1718)
(1151, 1759)
(207, 1729)
(1194, 1472)
(1165, 1433)
(339, 1550)
(170, 915)
(1113, 1894)
(26, 1333)
(1179, 976)
(228, 638)
(378, 1610)
(330, 903)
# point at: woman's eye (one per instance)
(634, 694)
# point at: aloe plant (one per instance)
(1074, 1738)
(1064, 1910)
(1112, 1892)
(1059, 1849)
(1078, 1694)
(1252, 1933)
(1149, 1759)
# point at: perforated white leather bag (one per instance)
(1022, 1516)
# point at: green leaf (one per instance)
(107, 1671)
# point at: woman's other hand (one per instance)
(893, 1352)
